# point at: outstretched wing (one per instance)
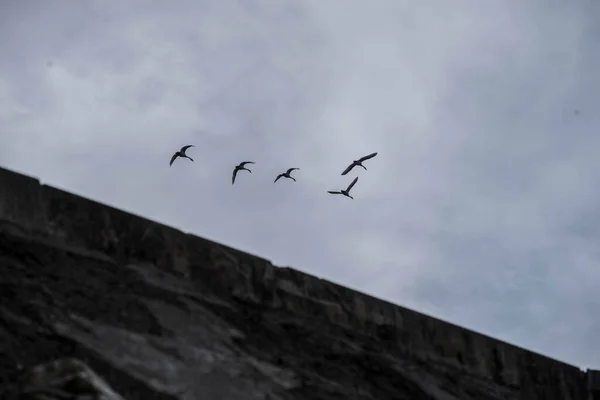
(332, 192)
(184, 148)
(365, 158)
(352, 184)
(242, 164)
(235, 171)
(173, 159)
(349, 168)
(278, 176)
(290, 170)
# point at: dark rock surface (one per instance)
(160, 314)
(65, 378)
(152, 335)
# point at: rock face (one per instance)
(160, 314)
(62, 379)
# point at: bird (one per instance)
(181, 153)
(240, 167)
(347, 191)
(358, 162)
(286, 174)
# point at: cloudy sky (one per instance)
(481, 207)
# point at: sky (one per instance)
(481, 207)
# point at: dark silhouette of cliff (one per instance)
(162, 314)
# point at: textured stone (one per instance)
(164, 314)
(61, 379)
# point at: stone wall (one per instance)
(78, 222)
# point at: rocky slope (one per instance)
(159, 313)
(154, 335)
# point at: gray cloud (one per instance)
(480, 208)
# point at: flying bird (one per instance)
(358, 163)
(286, 174)
(181, 153)
(347, 191)
(240, 167)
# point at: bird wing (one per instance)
(365, 158)
(184, 148)
(352, 184)
(173, 159)
(246, 162)
(235, 171)
(278, 176)
(348, 169)
(332, 192)
(290, 170)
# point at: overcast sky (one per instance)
(481, 207)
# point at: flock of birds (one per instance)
(287, 174)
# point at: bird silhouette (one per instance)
(286, 174)
(181, 153)
(240, 167)
(347, 191)
(358, 163)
